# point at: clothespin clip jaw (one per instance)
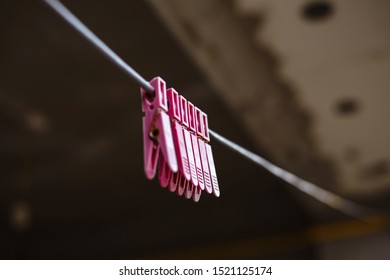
(157, 129)
(174, 109)
(206, 134)
(196, 195)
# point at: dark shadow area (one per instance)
(71, 177)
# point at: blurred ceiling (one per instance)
(309, 79)
(335, 55)
(72, 180)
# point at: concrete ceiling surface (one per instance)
(336, 55)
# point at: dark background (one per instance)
(72, 184)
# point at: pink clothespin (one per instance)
(183, 118)
(179, 180)
(192, 125)
(187, 139)
(209, 171)
(174, 111)
(181, 150)
(158, 142)
(201, 119)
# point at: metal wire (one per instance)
(326, 197)
(99, 44)
(337, 202)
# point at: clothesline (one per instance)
(335, 201)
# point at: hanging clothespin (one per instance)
(176, 139)
(192, 125)
(201, 119)
(187, 139)
(206, 153)
(185, 151)
(181, 181)
(158, 142)
(175, 114)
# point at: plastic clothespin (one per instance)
(201, 119)
(181, 150)
(157, 132)
(174, 112)
(192, 125)
(182, 112)
(179, 181)
(210, 175)
(213, 172)
(187, 139)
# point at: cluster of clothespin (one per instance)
(176, 139)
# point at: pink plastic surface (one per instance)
(199, 122)
(206, 135)
(174, 182)
(198, 162)
(213, 173)
(196, 194)
(177, 132)
(201, 118)
(205, 165)
(174, 104)
(191, 159)
(157, 130)
(189, 190)
(181, 186)
(187, 139)
(192, 124)
(181, 150)
(191, 117)
(165, 173)
(183, 111)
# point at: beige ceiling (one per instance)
(343, 58)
